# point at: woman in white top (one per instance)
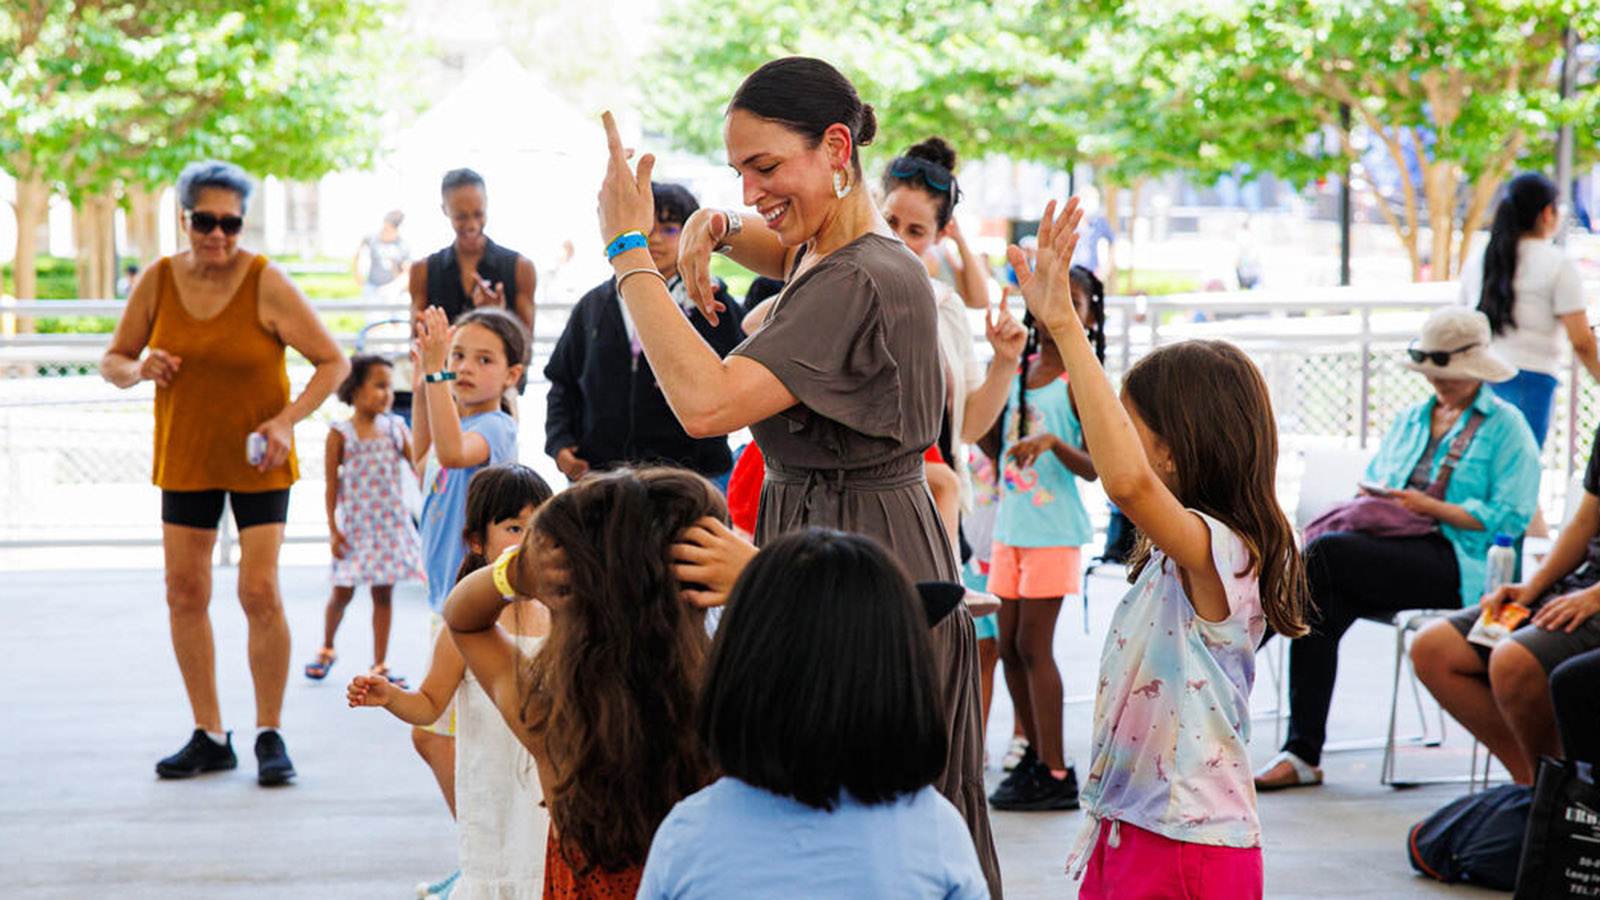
(920, 194)
(1531, 293)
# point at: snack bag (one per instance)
(1490, 631)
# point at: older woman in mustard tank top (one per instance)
(216, 320)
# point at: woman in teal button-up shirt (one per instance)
(1494, 490)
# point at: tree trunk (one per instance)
(1439, 190)
(93, 224)
(1110, 194)
(1133, 226)
(144, 224)
(32, 207)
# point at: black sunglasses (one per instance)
(205, 223)
(935, 175)
(1437, 357)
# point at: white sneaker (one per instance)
(1019, 746)
(439, 890)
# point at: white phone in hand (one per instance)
(1372, 487)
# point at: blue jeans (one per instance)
(1532, 393)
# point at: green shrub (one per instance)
(57, 278)
(1158, 281)
(75, 325)
(737, 277)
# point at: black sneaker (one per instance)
(272, 760)
(201, 754)
(1042, 792)
(1014, 779)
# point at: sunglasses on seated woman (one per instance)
(205, 223)
(1437, 357)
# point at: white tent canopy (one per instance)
(542, 162)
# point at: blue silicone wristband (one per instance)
(628, 240)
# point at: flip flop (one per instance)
(316, 671)
(1301, 774)
(381, 670)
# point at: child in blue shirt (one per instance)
(1037, 559)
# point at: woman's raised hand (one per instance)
(701, 236)
(626, 201)
(1047, 284)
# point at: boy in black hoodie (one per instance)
(604, 406)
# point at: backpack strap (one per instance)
(1458, 448)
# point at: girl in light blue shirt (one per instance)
(821, 707)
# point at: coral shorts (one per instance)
(1148, 866)
(1035, 573)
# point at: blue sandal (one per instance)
(316, 671)
(381, 670)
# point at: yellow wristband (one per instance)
(502, 581)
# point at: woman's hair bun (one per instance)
(869, 126)
(935, 150)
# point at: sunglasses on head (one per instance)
(1437, 357)
(205, 223)
(935, 175)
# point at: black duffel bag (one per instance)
(1476, 839)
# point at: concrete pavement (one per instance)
(93, 698)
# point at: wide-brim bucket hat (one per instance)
(1460, 338)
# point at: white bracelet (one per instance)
(642, 270)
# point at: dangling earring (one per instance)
(841, 184)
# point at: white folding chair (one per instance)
(1330, 475)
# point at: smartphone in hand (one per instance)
(1372, 487)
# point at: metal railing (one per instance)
(1332, 358)
(75, 452)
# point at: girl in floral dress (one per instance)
(373, 538)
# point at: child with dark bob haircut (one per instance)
(821, 709)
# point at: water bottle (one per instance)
(1502, 564)
(1502, 567)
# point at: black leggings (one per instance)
(1354, 575)
(203, 509)
(1575, 691)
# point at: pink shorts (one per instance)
(1035, 573)
(1147, 866)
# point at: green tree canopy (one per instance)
(98, 97)
(1456, 94)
